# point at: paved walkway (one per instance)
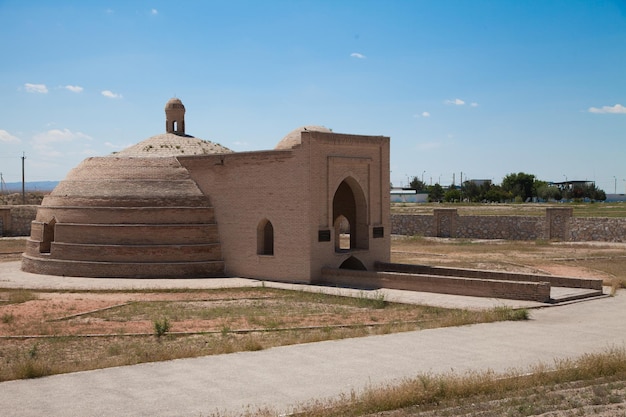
(283, 377)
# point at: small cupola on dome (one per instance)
(175, 117)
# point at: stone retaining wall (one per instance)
(558, 223)
(15, 220)
(597, 229)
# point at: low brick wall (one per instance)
(554, 281)
(515, 290)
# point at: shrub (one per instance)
(161, 326)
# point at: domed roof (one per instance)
(127, 182)
(174, 103)
(170, 144)
(294, 137)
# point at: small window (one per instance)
(265, 238)
(323, 236)
(378, 232)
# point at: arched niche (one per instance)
(349, 202)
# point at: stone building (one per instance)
(177, 206)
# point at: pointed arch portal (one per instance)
(350, 216)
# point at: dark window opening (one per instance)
(265, 238)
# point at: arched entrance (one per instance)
(353, 263)
(350, 216)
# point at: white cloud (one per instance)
(6, 137)
(425, 114)
(74, 88)
(617, 109)
(474, 104)
(36, 88)
(357, 55)
(427, 146)
(43, 142)
(111, 94)
(456, 102)
(154, 11)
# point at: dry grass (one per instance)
(44, 333)
(591, 385)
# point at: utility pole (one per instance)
(23, 183)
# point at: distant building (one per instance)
(408, 195)
(568, 185)
(480, 183)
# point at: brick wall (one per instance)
(514, 290)
(294, 189)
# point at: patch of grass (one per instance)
(375, 300)
(161, 326)
(21, 296)
(515, 393)
(7, 318)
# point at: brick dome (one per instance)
(294, 137)
(170, 144)
(137, 213)
(174, 103)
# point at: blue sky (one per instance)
(483, 88)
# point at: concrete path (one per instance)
(283, 377)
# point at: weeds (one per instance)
(7, 318)
(376, 300)
(439, 392)
(161, 326)
(21, 296)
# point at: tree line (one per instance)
(520, 187)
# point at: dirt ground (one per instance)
(67, 310)
(75, 313)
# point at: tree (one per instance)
(435, 192)
(549, 192)
(588, 190)
(452, 195)
(495, 194)
(416, 184)
(520, 185)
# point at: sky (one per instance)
(466, 89)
